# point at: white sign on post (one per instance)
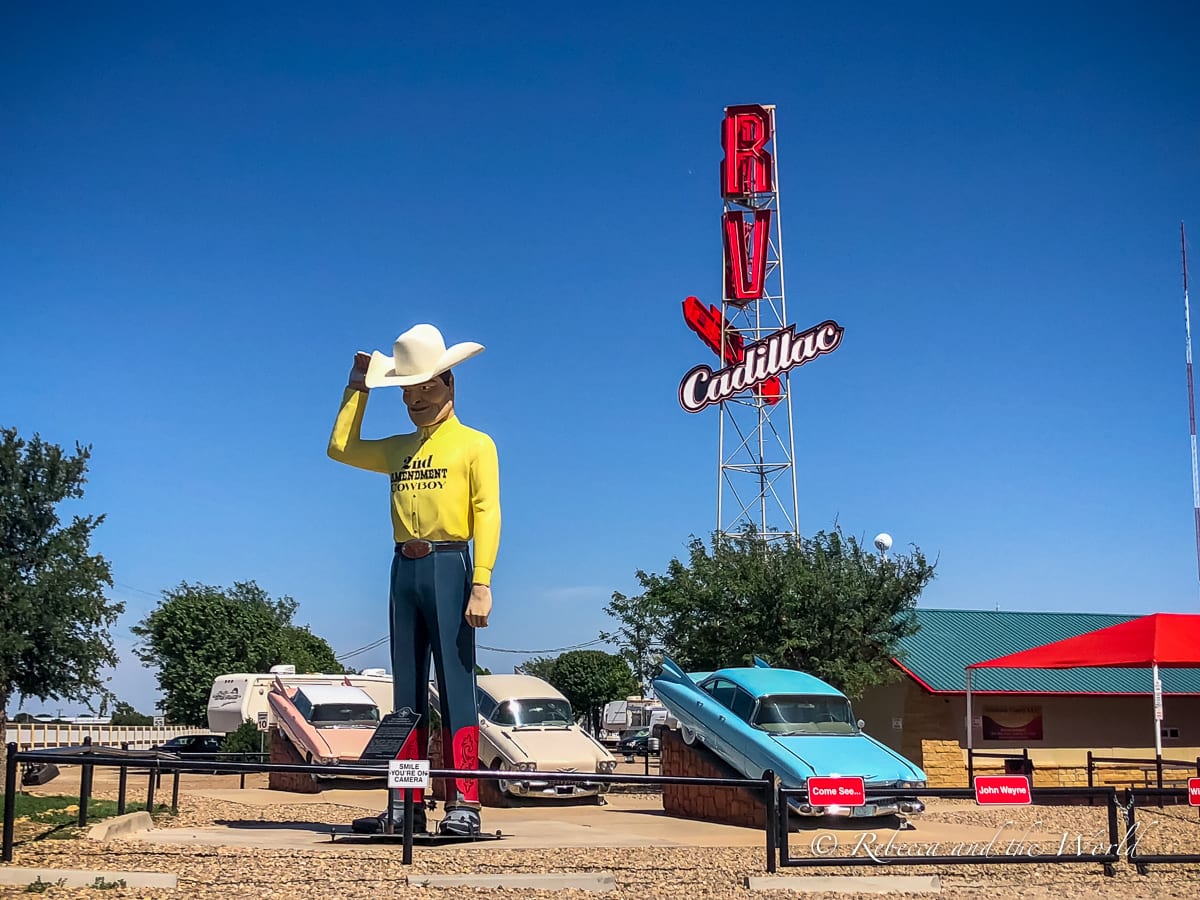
(160, 721)
(408, 773)
(262, 722)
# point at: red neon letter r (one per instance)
(747, 166)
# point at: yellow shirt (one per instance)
(445, 479)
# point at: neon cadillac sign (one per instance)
(747, 174)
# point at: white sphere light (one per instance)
(883, 541)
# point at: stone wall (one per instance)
(282, 751)
(730, 806)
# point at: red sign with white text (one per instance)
(997, 790)
(836, 791)
(1194, 791)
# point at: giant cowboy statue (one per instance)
(445, 489)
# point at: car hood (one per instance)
(848, 754)
(551, 748)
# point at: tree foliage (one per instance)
(587, 678)
(246, 739)
(54, 616)
(822, 604)
(125, 714)
(198, 632)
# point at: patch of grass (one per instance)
(40, 887)
(56, 818)
(103, 885)
(65, 810)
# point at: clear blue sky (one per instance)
(204, 212)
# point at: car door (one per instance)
(718, 714)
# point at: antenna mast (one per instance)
(1187, 320)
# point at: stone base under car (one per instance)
(729, 806)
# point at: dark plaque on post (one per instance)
(391, 734)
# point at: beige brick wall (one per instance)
(730, 806)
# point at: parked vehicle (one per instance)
(239, 697)
(793, 724)
(193, 746)
(619, 716)
(526, 725)
(325, 723)
(638, 742)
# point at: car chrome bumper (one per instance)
(524, 788)
(880, 806)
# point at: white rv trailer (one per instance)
(242, 696)
(621, 716)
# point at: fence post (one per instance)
(150, 789)
(10, 801)
(406, 852)
(970, 767)
(771, 810)
(175, 792)
(85, 783)
(1158, 776)
(121, 780)
(1089, 758)
(1113, 837)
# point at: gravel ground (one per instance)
(357, 871)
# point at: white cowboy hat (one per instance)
(418, 355)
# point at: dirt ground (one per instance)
(668, 870)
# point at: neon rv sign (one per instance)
(747, 171)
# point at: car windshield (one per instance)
(345, 714)
(804, 714)
(534, 712)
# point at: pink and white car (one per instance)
(326, 723)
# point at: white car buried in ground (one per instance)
(525, 725)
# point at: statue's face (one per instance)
(429, 402)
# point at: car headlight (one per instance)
(912, 784)
(606, 766)
(529, 766)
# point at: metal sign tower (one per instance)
(756, 346)
(756, 471)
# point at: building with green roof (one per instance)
(1057, 715)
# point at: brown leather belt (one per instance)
(418, 549)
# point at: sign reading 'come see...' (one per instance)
(747, 175)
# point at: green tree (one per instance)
(246, 739)
(539, 667)
(54, 616)
(125, 714)
(822, 604)
(198, 632)
(587, 678)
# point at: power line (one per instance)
(364, 649)
(552, 650)
(130, 587)
(385, 638)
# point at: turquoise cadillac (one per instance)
(796, 725)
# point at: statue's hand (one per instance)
(358, 374)
(479, 607)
